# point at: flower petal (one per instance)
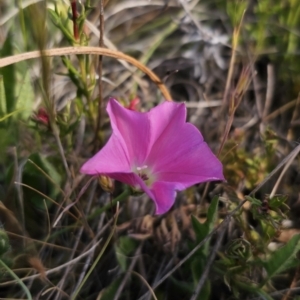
(133, 128)
(112, 158)
(162, 193)
(197, 164)
(179, 153)
(131, 179)
(164, 196)
(163, 117)
(171, 136)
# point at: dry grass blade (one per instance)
(146, 283)
(57, 269)
(126, 277)
(292, 156)
(88, 50)
(17, 279)
(74, 295)
(100, 101)
(208, 265)
(288, 158)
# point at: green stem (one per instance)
(99, 255)
(106, 207)
(22, 23)
(21, 283)
(55, 131)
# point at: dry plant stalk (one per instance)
(97, 138)
(88, 50)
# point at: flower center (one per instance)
(142, 172)
(145, 173)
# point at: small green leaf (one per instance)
(35, 178)
(54, 16)
(263, 295)
(202, 230)
(109, 292)
(25, 94)
(180, 286)
(8, 74)
(278, 201)
(253, 201)
(125, 247)
(205, 291)
(58, 21)
(9, 115)
(284, 258)
(212, 213)
(3, 109)
(198, 266)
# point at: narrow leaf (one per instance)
(3, 109)
(124, 247)
(8, 74)
(284, 258)
(25, 94)
(202, 230)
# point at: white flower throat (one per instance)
(145, 174)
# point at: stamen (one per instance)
(144, 176)
(141, 171)
(144, 173)
(142, 168)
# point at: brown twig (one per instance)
(74, 19)
(280, 110)
(293, 285)
(101, 45)
(270, 89)
(235, 101)
(296, 113)
(235, 39)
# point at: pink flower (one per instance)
(157, 152)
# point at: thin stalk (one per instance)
(98, 257)
(47, 176)
(109, 205)
(209, 263)
(22, 22)
(100, 100)
(19, 281)
(154, 45)
(55, 131)
(96, 213)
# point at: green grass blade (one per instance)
(21, 283)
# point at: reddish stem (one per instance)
(75, 16)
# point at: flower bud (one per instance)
(106, 183)
(133, 104)
(41, 116)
